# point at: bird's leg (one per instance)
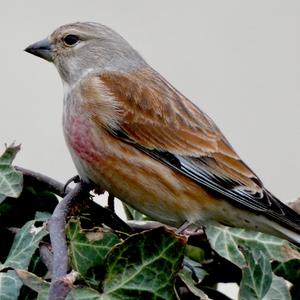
(111, 202)
(183, 227)
(74, 179)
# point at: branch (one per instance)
(47, 257)
(43, 181)
(108, 217)
(58, 288)
(61, 282)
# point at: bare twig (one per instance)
(47, 257)
(108, 217)
(58, 288)
(74, 179)
(43, 181)
(61, 288)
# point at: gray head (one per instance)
(78, 48)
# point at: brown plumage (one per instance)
(157, 116)
(133, 134)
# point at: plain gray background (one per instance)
(237, 60)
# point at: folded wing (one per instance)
(159, 121)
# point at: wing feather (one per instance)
(161, 122)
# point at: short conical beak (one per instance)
(41, 49)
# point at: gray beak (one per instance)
(41, 49)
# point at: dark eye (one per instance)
(71, 39)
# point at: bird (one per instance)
(131, 133)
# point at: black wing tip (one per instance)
(282, 213)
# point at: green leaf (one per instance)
(278, 290)
(88, 248)
(42, 216)
(2, 197)
(186, 276)
(10, 285)
(11, 181)
(144, 266)
(195, 253)
(32, 281)
(133, 214)
(257, 276)
(85, 293)
(289, 270)
(226, 241)
(25, 243)
(197, 269)
(41, 286)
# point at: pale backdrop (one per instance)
(238, 60)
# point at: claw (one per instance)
(183, 227)
(74, 179)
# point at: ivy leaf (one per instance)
(32, 281)
(186, 276)
(278, 290)
(25, 243)
(10, 285)
(85, 293)
(11, 181)
(257, 276)
(195, 253)
(289, 270)
(88, 248)
(196, 267)
(226, 241)
(133, 214)
(144, 266)
(41, 286)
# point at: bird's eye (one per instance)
(71, 39)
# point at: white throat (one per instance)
(69, 87)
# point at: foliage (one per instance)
(109, 264)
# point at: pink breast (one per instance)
(78, 136)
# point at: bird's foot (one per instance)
(111, 202)
(74, 179)
(183, 227)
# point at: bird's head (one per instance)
(78, 48)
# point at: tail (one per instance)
(287, 234)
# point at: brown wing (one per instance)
(159, 121)
(156, 116)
